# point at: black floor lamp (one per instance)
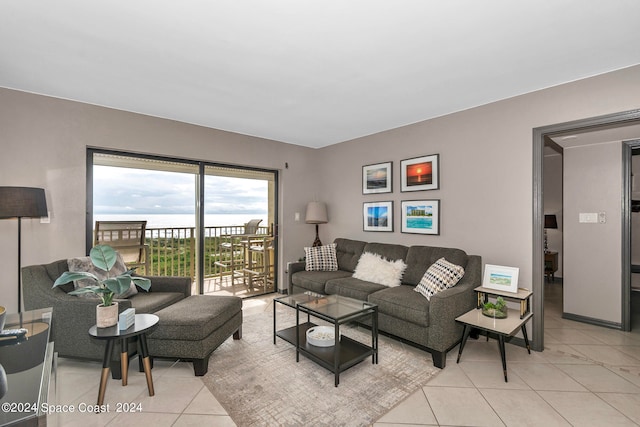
(22, 202)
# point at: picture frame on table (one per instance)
(420, 173)
(420, 216)
(377, 178)
(501, 278)
(377, 216)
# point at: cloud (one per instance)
(127, 191)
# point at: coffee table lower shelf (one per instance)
(351, 352)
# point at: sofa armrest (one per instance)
(294, 267)
(170, 284)
(445, 306)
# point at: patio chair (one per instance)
(126, 237)
(233, 251)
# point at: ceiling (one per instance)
(312, 73)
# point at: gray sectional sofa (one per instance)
(403, 313)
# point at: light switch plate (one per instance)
(590, 218)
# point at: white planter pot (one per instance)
(107, 316)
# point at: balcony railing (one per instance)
(172, 250)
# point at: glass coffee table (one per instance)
(336, 310)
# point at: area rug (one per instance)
(260, 384)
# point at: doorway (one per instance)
(540, 135)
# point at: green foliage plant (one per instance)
(103, 257)
(500, 306)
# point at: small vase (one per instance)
(106, 316)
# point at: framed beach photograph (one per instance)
(377, 216)
(420, 173)
(501, 278)
(377, 178)
(420, 216)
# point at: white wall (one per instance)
(486, 170)
(44, 144)
(593, 254)
(485, 159)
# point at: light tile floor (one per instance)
(587, 376)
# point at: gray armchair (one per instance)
(73, 316)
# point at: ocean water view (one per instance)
(419, 222)
(184, 220)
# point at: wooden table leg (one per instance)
(124, 360)
(146, 362)
(106, 361)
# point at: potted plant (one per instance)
(104, 258)
(497, 309)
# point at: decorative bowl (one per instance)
(321, 336)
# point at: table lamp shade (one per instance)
(22, 202)
(550, 221)
(316, 213)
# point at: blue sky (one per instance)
(137, 191)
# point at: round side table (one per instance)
(143, 324)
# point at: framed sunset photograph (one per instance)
(421, 216)
(377, 178)
(420, 173)
(377, 216)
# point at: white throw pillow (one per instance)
(321, 258)
(374, 268)
(441, 275)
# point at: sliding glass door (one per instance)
(199, 218)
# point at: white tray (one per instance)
(321, 336)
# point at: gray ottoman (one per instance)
(195, 326)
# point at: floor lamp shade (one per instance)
(22, 202)
(316, 214)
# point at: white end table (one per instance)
(515, 320)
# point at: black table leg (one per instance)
(502, 355)
(106, 361)
(526, 339)
(465, 335)
(146, 362)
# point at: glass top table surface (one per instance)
(23, 365)
(331, 306)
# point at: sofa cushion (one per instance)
(150, 302)
(315, 280)
(440, 276)
(348, 253)
(387, 250)
(375, 268)
(352, 288)
(401, 302)
(420, 258)
(321, 258)
(195, 317)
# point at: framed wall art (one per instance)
(420, 173)
(420, 216)
(377, 216)
(377, 178)
(500, 278)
